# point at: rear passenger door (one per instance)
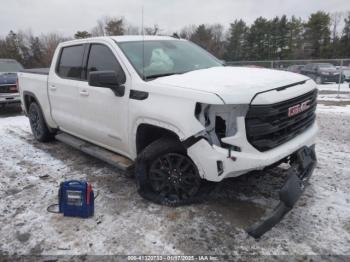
(103, 114)
(63, 88)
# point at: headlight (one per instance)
(219, 120)
(324, 73)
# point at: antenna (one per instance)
(143, 47)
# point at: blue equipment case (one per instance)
(76, 199)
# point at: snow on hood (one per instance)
(232, 84)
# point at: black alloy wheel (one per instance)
(174, 176)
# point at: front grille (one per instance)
(8, 89)
(269, 126)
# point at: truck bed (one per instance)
(34, 82)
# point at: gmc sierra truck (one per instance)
(175, 115)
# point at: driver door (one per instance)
(103, 114)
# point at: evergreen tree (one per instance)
(114, 26)
(258, 39)
(295, 38)
(237, 41)
(37, 55)
(202, 36)
(82, 34)
(11, 47)
(317, 34)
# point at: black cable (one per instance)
(52, 211)
(97, 194)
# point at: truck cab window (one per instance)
(70, 64)
(101, 58)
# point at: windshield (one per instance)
(10, 66)
(166, 57)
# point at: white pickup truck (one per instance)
(175, 111)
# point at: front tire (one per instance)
(166, 175)
(38, 125)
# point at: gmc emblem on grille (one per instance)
(297, 109)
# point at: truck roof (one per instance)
(125, 38)
(128, 38)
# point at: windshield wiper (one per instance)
(161, 75)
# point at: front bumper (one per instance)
(304, 162)
(10, 98)
(232, 164)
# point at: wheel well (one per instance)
(146, 134)
(28, 99)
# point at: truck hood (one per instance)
(232, 84)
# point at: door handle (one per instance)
(53, 87)
(84, 93)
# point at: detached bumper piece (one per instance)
(303, 164)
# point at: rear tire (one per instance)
(166, 175)
(38, 125)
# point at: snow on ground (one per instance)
(124, 223)
(344, 87)
(328, 94)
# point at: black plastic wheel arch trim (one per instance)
(30, 94)
(290, 192)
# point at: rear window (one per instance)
(70, 65)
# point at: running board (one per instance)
(105, 155)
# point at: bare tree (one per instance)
(335, 20)
(132, 30)
(188, 31)
(152, 30)
(50, 42)
(99, 29)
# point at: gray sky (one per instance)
(68, 16)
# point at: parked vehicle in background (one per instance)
(295, 68)
(322, 73)
(8, 78)
(346, 72)
(175, 111)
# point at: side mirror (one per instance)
(108, 79)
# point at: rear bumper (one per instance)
(10, 98)
(298, 176)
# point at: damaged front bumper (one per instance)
(304, 162)
(216, 163)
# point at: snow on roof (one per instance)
(127, 38)
(121, 38)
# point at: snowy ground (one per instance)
(124, 223)
(334, 93)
